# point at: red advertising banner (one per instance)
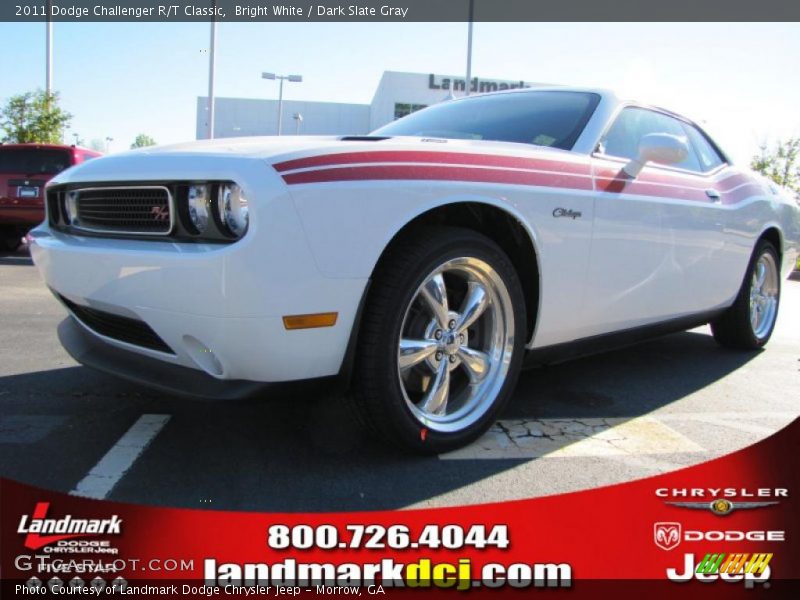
(725, 527)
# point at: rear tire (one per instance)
(10, 241)
(748, 324)
(433, 370)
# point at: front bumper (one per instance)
(92, 351)
(219, 308)
(88, 350)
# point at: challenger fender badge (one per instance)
(567, 212)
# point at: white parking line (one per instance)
(117, 461)
(739, 422)
(574, 438)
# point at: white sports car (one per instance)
(422, 265)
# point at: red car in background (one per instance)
(24, 171)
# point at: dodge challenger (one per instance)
(423, 265)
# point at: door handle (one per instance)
(713, 195)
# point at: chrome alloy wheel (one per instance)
(764, 295)
(452, 364)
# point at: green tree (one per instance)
(780, 163)
(142, 141)
(34, 117)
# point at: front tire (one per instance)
(441, 340)
(748, 324)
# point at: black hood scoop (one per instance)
(364, 138)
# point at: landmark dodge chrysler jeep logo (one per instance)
(62, 529)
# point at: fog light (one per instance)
(202, 356)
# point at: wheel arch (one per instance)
(472, 213)
(772, 234)
(499, 223)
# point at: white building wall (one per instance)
(236, 117)
(245, 116)
(426, 89)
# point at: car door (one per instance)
(655, 235)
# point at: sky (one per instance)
(121, 79)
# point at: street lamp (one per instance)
(298, 119)
(49, 52)
(293, 79)
(469, 46)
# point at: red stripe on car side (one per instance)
(733, 188)
(412, 156)
(743, 193)
(493, 160)
(569, 175)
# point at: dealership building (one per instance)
(398, 94)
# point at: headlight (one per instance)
(71, 208)
(198, 207)
(232, 207)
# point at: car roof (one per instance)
(605, 93)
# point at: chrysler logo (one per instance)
(667, 535)
(721, 506)
(160, 213)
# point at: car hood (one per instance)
(180, 161)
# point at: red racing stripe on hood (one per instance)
(443, 173)
(414, 156)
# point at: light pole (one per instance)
(469, 47)
(281, 78)
(212, 68)
(49, 52)
(298, 119)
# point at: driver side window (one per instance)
(633, 123)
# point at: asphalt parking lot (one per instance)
(628, 414)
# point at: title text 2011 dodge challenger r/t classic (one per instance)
(423, 264)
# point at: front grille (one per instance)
(154, 211)
(125, 210)
(123, 329)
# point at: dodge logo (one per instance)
(160, 213)
(667, 536)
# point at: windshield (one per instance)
(33, 161)
(545, 118)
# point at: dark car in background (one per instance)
(24, 171)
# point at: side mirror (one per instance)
(660, 148)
